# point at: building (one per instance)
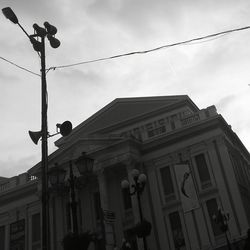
(165, 138)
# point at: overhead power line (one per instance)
(20, 67)
(190, 41)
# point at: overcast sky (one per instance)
(212, 72)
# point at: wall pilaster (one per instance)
(104, 196)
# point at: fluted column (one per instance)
(105, 196)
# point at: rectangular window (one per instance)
(203, 170)
(212, 208)
(17, 235)
(2, 237)
(176, 228)
(167, 183)
(36, 231)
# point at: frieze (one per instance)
(166, 124)
(162, 125)
(126, 159)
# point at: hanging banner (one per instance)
(186, 187)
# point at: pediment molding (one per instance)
(123, 111)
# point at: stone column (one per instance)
(238, 222)
(104, 196)
(159, 218)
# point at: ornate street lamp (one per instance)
(84, 164)
(57, 179)
(221, 219)
(143, 228)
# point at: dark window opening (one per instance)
(203, 170)
(167, 183)
(212, 208)
(178, 236)
(36, 231)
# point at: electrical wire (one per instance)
(205, 40)
(20, 67)
(186, 42)
(192, 41)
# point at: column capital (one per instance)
(131, 162)
(220, 140)
(99, 170)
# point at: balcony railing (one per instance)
(15, 181)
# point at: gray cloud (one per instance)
(226, 102)
(9, 167)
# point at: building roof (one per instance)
(124, 109)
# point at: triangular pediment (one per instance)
(125, 109)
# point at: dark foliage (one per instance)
(73, 241)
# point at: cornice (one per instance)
(145, 116)
(18, 192)
(177, 100)
(125, 142)
(196, 129)
(120, 152)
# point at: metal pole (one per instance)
(139, 205)
(141, 216)
(228, 242)
(73, 199)
(45, 208)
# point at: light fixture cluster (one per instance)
(143, 228)
(140, 180)
(48, 31)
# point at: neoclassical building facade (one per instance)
(195, 164)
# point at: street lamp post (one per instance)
(221, 219)
(73, 203)
(57, 175)
(40, 34)
(137, 189)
